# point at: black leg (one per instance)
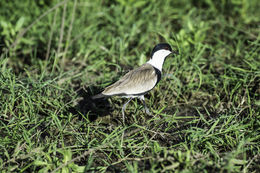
(145, 107)
(123, 109)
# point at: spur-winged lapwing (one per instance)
(137, 82)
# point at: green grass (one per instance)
(56, 54)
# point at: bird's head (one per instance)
(162, 50)
(159, 53)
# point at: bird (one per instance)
(137, 82)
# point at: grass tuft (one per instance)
(57, 54)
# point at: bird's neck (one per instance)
(157, 63)
(158, 58)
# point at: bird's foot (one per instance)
(148, 112)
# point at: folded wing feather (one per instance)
(135, 82)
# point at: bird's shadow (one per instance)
(91, 108)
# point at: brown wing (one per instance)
(135, 82)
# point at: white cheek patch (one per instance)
(158, 58)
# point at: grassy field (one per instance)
(55, 54)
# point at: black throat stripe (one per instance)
(158, 73)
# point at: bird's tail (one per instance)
(98, 96)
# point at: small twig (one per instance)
(51, 34)
(70, 29)
(250, 162)
(21, 34)
(77, 158)
(90, 151)
(61, 30)
(19, 149)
